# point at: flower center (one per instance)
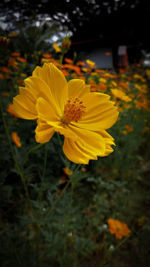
(73, 111)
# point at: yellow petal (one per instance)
(47, 114)
(46, 111)
(43, 132)
(91, 141)
(24, 107)
(100, 112)
(38, 88)
(75, 153)
(77, 88)
(55, 80)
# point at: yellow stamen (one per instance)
(73, 111)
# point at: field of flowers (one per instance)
(62, 205)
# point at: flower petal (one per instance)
(76, 153)
(77, 88)
(47, 114)
(46, 111)
(100, 112)
(56, 81)
(43, 132)
(38, 88)
(89, 140)
(24, 107)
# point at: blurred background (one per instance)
(99, 30)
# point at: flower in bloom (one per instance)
(16, 139)
(121, 95)
(69, 109)
(118, 228)
(90, 63)
(56, 48)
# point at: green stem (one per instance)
(67, 218)
(45, 163)
(109, 253)
(13, 154)
(57, 199)
(30, 151)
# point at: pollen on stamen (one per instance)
(73, 111)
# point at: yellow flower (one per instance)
(121, 95)
(90, 63)
(118, 228)
(56, 48)
(16, 139)
(69, 109)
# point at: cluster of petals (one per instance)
(70, 109)
(117, 228)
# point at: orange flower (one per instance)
(10, 110)
(65, 72)
(118, 228)
(15, 54)
(67, 171)
(1, 76)
(22, 60)
(12, 34)
(5, 94)
(72, 67)
(129, 128)
(16, 139)
(5, 70)
(68, 60)
(80, 63)
(46, 55)
(12, 62)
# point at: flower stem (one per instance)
(13, 154)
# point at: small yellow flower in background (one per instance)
(16, 139)
(124, 132)
(118, 228)
(102, 80)
(69, 109)
(67, 171)
(121, 95)
(56, 48)
(90, 63)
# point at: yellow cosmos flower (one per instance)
(90, 63)
(56, 48)
(69, 109)
(121, 95)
